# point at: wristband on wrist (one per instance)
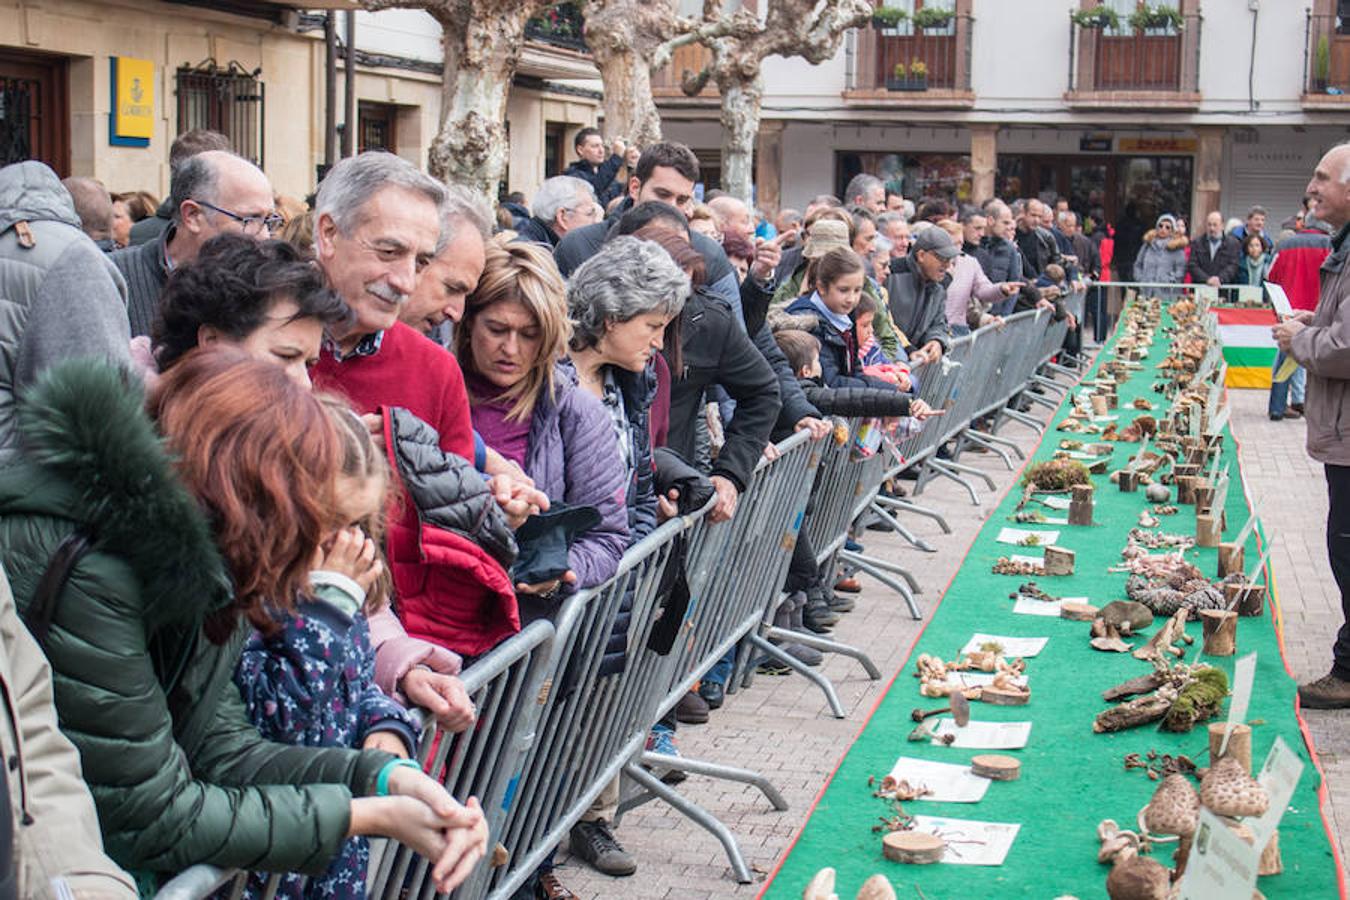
(382, 780)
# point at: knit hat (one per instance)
(1168, 218)
(825, 235)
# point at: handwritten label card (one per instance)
(1244, 674)
(1221, 865)
(971, 843)
(1279, 776)
(1012, 646)
(948, 782)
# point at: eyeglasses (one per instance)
(250, 224)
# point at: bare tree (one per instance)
(623, 36)
(482, 40)
(740, 41)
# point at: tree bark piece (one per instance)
(1132, 713)
(996, 767)
(1058, 561)
(1239, 743)
(1141, 685)
(1129, 481)
(913, 847)
(1078, 612)
(999, 697)
(1186, 490)
(1220, 631)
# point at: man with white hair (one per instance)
(895, 228)
(561, 204)
(212, 193)
(733, 217)
(1317, 341)
(866, 191)
(453, 274)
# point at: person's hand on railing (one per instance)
(771, 452)
(1073, 321)
(667, 506)
(930, 352)
(819, 428)
(727, 498)
(546, 589)
(921, 410)
(420, 814)
(443, 696)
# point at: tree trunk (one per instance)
(623, 35)
(741, 101)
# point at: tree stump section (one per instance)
(996, 767)
(913, 847)
(1186, 489)
(1204, 497)
(1231, 559)
(1058, 561)
(1098, 404)
(1239, 743)
(1247, 599)
(1081, 505)
(1207, 532)
(1219, 627)
(1129, 481)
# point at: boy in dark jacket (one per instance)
(803, 352)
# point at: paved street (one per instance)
(782, 727)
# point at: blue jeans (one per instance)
(721, 670)
(1280, 391)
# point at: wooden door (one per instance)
(34, 110)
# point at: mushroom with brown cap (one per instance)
(1228, 790)
(1137, 878)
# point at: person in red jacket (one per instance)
(1298, 259)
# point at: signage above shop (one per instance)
(1157, 145)
(1095, 143)
(132, 119)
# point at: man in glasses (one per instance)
(211, 193)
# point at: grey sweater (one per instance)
(60, 297)
(142, 265)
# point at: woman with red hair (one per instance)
(143, 564)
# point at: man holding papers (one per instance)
(1320, 342)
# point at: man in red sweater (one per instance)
(1298, 258)
(377, 225)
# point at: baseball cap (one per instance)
(936, 240)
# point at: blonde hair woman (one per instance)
(527, 406)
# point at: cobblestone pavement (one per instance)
(781, 726)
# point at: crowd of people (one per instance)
(277, 472)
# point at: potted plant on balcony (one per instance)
(933, 17)
(911, 78)
(1322, 63)
(1102, 17)
(1148, 18)
(887, 19)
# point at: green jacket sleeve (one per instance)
(882, 325)
(158, 810)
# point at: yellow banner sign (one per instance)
(1157, 145)
(133, 98)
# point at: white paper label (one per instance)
(1244, 673)
(1279, 300)
(985, 735)
(1030, 606)
(1279, 776)
(1016, 536)
(949, 782)
(1056, 502)
(1221, 865)
(1012, 646)
(970, 843)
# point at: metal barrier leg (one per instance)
(912, 507)
(976, 437)
(701, 817)
(913, 539)
(885, 565)
(1031, 422)
(1043, 401)
(989, 438)
(718, 770)
(825, 645)
(1051, 384)
(787, 659)
(866, 565)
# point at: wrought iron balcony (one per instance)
(1326, 61)
(909, 64)
(1158, 65)
(561, 25)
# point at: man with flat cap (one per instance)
(917, 294)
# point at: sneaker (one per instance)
(548, 887)
(807, 656)
(770, 666)
(595, 843)
(713, 694)
(1327, 692)
(819, 619)
(853, 546)
(838, 603)
(691, 710)
(662, 740)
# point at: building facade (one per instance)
(1229, 105)
(102, 87)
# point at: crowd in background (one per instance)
(277, 471)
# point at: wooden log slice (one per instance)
(996, 767)
(1078, 612)
(913, 847)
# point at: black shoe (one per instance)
(1292, 413)
(1327, 692)
(1297, 407)
(691, 710)
(880, 524)
(839, 604)
(1277, 417)
(594, 843)
(713, 694)
(818, 618)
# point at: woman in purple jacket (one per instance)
(528, 407)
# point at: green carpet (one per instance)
(1071, 778)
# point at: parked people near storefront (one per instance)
(210, 193)
(1214, 255)
(1034, 238)
(154, 222)
(1316, 340)
(562, 203)
(594, 167)
(1162, 256)
(838, 279)
(789, 225)
(1296, 268)
(917, 299)
(866, 191)
(227, 513)
(1254, 265)
(864, 232)
(64, 298)
(1255, 223)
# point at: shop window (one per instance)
(227, 99)
(944, 176)
(34, 123)
(377, 127)
(555, 148)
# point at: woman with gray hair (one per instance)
(621, 302)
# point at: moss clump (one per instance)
(1056, 475)
(1200, 700)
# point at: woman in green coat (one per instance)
(171, 545)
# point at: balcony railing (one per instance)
(1326, 57)
(1127, 62)
(911, 64)
(560, 25)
